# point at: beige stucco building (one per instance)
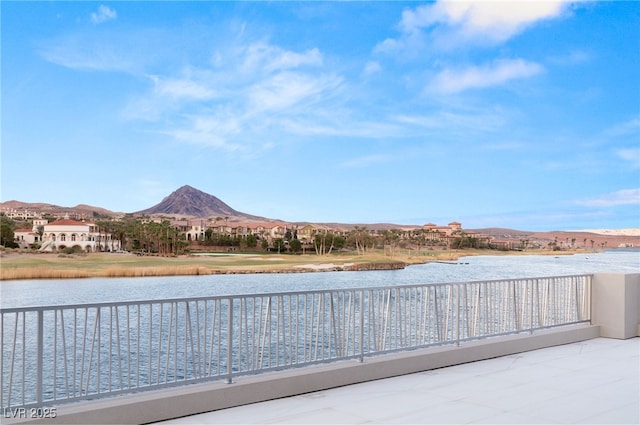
(65, 233)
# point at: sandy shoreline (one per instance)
(324, 266)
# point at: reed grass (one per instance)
(154, 271)
(40, 273)
(52, 273)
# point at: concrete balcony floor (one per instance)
(594, 381)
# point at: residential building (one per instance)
(27, 237)
(65, 233)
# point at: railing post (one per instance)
(458, 315)
(229, 341)
(39, 357)
(531, 289)
(361, 357)
(588, 296)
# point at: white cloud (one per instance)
(260, 57)
(104, 14)
(458, 122)
(620, 197)
(631, 154)
(213, 131)
(453, 23)
(286, 89)
(132, 52)
(574, 57)
(497, 20)
(505, 146)
(495, 74)
(246, 93)
(334, 122)
(366, 161)
(372, 67)
(170, 95)
(631, 127)
(182, 88)
(84, 55)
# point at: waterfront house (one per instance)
(27, 237)
(65, 233)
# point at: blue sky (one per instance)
(495, 114)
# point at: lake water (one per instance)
(77, 291)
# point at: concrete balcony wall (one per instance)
(615, 304)
(155, 406)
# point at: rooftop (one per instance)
(594, 381)
(69, 222)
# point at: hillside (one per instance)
(587, 239)
(571, 238)
(80, 210)
(188, 201)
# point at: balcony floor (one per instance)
(595, 381)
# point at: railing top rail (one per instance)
(269, 294)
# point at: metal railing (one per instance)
(51, 355)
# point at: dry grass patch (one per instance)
(154, 271)
(42, 273)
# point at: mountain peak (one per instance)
(190, 201)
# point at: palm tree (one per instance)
(360, 237)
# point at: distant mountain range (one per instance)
(78, 210)
(190, 202)
(187, 201)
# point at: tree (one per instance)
(251, 241)
(278, 244)
(391, 238)
(295, 246)
(419, 239)
(464, 241)
(360, 237)
(338, 242)
(7, 237)
(320, 242)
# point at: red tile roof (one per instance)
(30, 230)
(67, 222)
